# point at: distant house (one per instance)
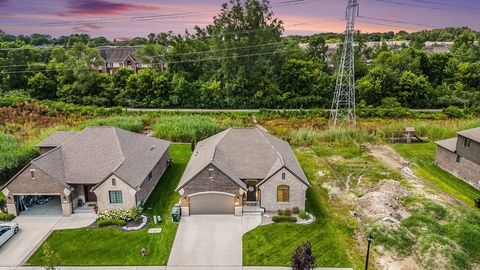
(461, 156)
(242, 170)
(105, 167)
(115, 58)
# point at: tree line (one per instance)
(242, 60)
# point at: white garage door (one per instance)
(211, 203)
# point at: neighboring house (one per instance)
(242, 170)
(103, 166)
(461, 156)
(115, 58)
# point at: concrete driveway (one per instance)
(210, 240)
(33, 230)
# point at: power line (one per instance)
(171, 62)
(169, 54)
(445, 4)
(397, 21)
(423, 6)
(142, 18)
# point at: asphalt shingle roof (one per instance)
(473, 134)
(449, 144)
(96, 152)
(117, 54)
(56, 139)
(243, 153)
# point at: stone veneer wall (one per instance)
(218, 182)
(466, 170)
(268, 192)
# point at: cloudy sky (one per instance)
(124, 19)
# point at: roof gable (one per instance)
(97, 152)
(243, 153)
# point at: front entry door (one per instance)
(251, 194)
(251, 191)
(89, 196)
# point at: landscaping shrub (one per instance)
(186, 128)
(287, 212)
(3, 201)
(277, 219)
(280, 212)
(107, 222)
(295, 210)
(5, 216)
(126, 215)
(303, 215)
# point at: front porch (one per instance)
(83, 199)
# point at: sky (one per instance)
(125, 19)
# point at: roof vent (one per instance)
(153, 147)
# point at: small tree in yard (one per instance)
(50, 259)
(302, 258)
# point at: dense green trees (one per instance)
(242, 60)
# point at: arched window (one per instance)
(283, 193)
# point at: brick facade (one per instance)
(464, 169)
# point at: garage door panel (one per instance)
(211, 203)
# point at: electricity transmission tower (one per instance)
(343, 105)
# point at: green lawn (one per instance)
(113, 247)
(423, 155)
(331, 235)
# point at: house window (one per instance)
(115, 196)
(466, 143)
(110, 64)
(283, 193)
(114, 182)
(32, 174)
(458, 159)
(210, 173)
(283, 176)
(150, 176)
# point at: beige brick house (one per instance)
(460, 156)
(242, 170)
(105, 167)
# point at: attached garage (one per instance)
(212, 203)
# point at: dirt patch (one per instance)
(382, 206)
(388, 156)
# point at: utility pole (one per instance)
(343, 105)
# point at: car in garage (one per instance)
(7, 231)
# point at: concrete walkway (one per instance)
(33, 231)
(210, 241)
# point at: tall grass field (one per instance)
(13, 156)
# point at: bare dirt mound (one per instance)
(381, 205)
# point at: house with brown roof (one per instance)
(115, 58)
(460, 156)
(242, 170)
(106, 167)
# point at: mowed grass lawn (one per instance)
(423, 156)
(108, 246)
(331, 237)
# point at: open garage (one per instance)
(35, 205)
(211, 203)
